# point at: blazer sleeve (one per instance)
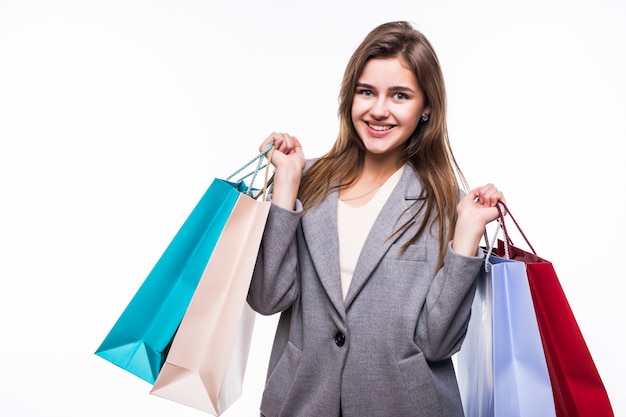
(443, 321)
(275, 283)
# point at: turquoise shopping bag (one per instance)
(140, 339)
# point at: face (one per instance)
(387, 106)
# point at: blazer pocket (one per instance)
(415, 252)
(280, 381)
(419, 388)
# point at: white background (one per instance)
(116, 115)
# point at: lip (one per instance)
(379, 133)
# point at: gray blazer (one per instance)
(386, 350)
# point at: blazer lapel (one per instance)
(393, 215)
(320, 231)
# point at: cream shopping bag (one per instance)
(205, 366)
(206, 362)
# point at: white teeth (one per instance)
(379, 128)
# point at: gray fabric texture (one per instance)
(400, 323)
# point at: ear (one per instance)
(425, 115)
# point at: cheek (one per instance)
(411, 118)
(360, 105)
(356, 108)
(356, 112)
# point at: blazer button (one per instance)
(340, 339)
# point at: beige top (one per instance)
(354, 224)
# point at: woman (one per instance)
(370, 252)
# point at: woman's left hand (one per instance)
(479, 199)
(475, 211)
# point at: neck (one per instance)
(375, 172)
(378, 168)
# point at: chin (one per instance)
(379, 146)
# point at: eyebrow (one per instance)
(393, 88)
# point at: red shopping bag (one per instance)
(576, 384)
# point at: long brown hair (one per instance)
(428, 149)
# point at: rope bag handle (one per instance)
(266, 154)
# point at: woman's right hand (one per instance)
(288, 160)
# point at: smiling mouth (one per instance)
(379, 128)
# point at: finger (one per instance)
(283, 142)
(294, 145)
(491, 198)
(278, 139)
(287, 143)
(271, 138)
(487, 195)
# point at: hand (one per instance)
(480, 204)
(475, 211)
(287, 153)
(288, 160)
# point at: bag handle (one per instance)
(267, 181)
(265, 154)
(490, 245)
(508, 243)
(502, 210)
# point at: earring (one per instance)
(424, 117)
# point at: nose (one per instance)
(379, 109)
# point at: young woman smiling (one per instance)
(370, 252)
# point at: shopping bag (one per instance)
(576, 384)
(502, 369)
(205, 366)
(474, 362)
(139, 340)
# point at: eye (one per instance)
(364, 92)
(400, 96)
